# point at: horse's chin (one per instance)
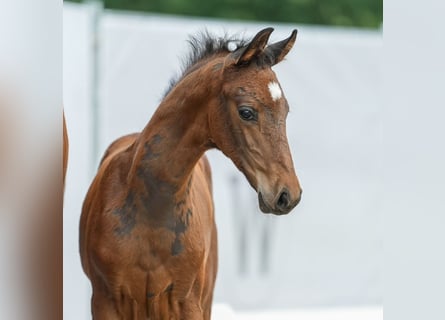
(263, 206)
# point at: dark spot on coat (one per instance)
(180, 228)
(149, 152)
(183, 223)
(150, 295)
(155, 198)
(127, 215)
(156, 139)
(177, 247)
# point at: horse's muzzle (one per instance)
(282, 204)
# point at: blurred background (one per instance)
(322, 261)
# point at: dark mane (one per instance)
(203, 46)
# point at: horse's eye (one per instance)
(247, 114)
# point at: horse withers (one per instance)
(148, 240)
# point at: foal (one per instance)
(147, 230)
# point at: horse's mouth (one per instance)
(263, 206)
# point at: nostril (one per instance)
(283, 200)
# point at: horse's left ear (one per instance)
(277, 51)
(246, 54)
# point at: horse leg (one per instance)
(210, 277)
(103, 308)
(191, 311)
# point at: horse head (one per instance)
(248, 121)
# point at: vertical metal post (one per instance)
(241, 229)
(95, 7)
(96, 12)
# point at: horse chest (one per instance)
(179, 228)
(183, 240)
(162, 259)
(158, 246)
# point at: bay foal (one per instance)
(148, 238)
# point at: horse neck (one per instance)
(175, 139)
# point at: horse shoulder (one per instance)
(103, 194)
(119, 144)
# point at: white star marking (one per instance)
(275, 91)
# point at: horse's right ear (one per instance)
(277, 51)
(246, 54)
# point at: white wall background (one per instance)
(328, 251)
